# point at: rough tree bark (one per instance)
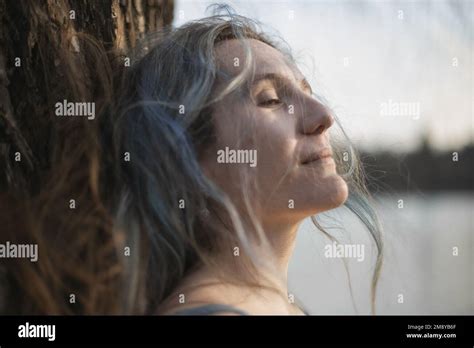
(33, 37)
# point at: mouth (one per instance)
(324, 153)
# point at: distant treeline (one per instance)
(423, 169)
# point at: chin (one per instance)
(330, 194)
(338, 192)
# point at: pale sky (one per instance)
(364, 56)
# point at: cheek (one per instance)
(275, 141)
(282, 181)
(275, 136)
(271, 134)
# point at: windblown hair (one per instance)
(145, 215)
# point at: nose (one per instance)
(316, 118)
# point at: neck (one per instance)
(282, 238)
(208, 287)
(280, 242)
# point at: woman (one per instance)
(212, 152)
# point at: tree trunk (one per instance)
(53, 50)
(34, 36)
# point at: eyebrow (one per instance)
(283, 80)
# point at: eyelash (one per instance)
(270, 102)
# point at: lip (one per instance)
(318, 155)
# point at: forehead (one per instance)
(231, 57)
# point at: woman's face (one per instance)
(285, 132)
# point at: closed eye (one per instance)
(270, 102)
(279, 86)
